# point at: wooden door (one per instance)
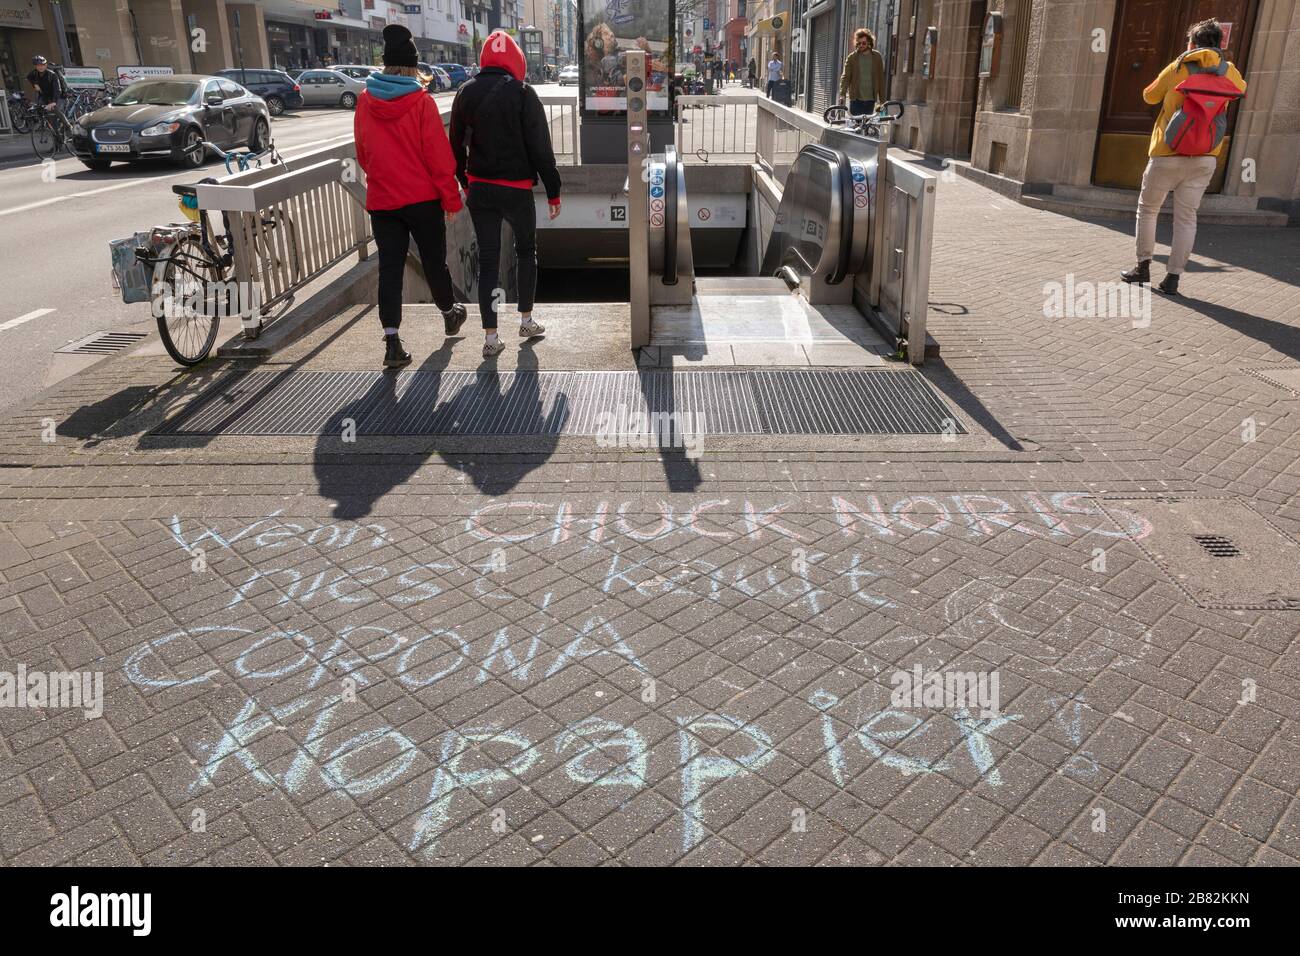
(1147, 36)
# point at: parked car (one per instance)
(569, 75)
(168, 117)
(444, 80)
(358, 71)
(441, 81)
(330, 88)
(276, 87)
(457, 73)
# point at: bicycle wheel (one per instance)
(190, 309)
(45, 140)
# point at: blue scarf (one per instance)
(386, 86)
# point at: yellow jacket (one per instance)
(1162, 91)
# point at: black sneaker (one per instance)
(455, 319)
(1169, 284)
(394, 355)
(1139, 273)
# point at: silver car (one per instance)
(329, 88)
(357, 71)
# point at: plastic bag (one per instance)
(130, 275)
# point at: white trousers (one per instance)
(1187, 178)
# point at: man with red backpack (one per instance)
(1195, 92)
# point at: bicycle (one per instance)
(890, 111)
(22, 113)
(192, 263)
(52, 133)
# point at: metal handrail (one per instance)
(291, 222)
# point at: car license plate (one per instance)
(113, 148)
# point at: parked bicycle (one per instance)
(22, 113)
(191, 264)
(51, 133)
(865, 124)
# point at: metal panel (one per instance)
(733, 402)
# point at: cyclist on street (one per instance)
(50, 87)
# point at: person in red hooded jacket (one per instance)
(502, 144)
(410, 184)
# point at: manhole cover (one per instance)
(652, 401)
(103, 343)
(1219, 551)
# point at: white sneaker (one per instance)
(493, 349)
(530, 328)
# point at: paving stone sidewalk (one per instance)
(388, 655)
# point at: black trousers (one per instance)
(489, 206)
(394, 229)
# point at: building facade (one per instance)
(209, 35)
(1045, 96)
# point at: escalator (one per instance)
(821, 236)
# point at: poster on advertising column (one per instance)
(610, 28)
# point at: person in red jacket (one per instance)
(410, 184)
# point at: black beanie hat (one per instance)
(399, 48)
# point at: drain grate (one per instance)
(1255, 568)
(652, 401)
(1217, 546)
(103, 343)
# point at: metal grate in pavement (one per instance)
(657, 402)
(103, 343)
(1217, 545)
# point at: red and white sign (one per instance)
(1227, 35)
(704, 214)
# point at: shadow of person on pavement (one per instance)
(357, 477)
(536, 431)
(671, 432)
(1278, 336)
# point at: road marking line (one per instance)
(138, 182)
(14, 323)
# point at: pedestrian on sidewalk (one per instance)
(411, 189)
(774, 67)
(1195, 92)
(752, 74)
(862, 81)
(502, 143)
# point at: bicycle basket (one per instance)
(130, 275)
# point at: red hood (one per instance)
(390, 109)
(501, 50)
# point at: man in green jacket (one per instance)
(863, 81)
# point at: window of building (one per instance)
(1015, 72)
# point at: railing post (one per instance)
(917, 277)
